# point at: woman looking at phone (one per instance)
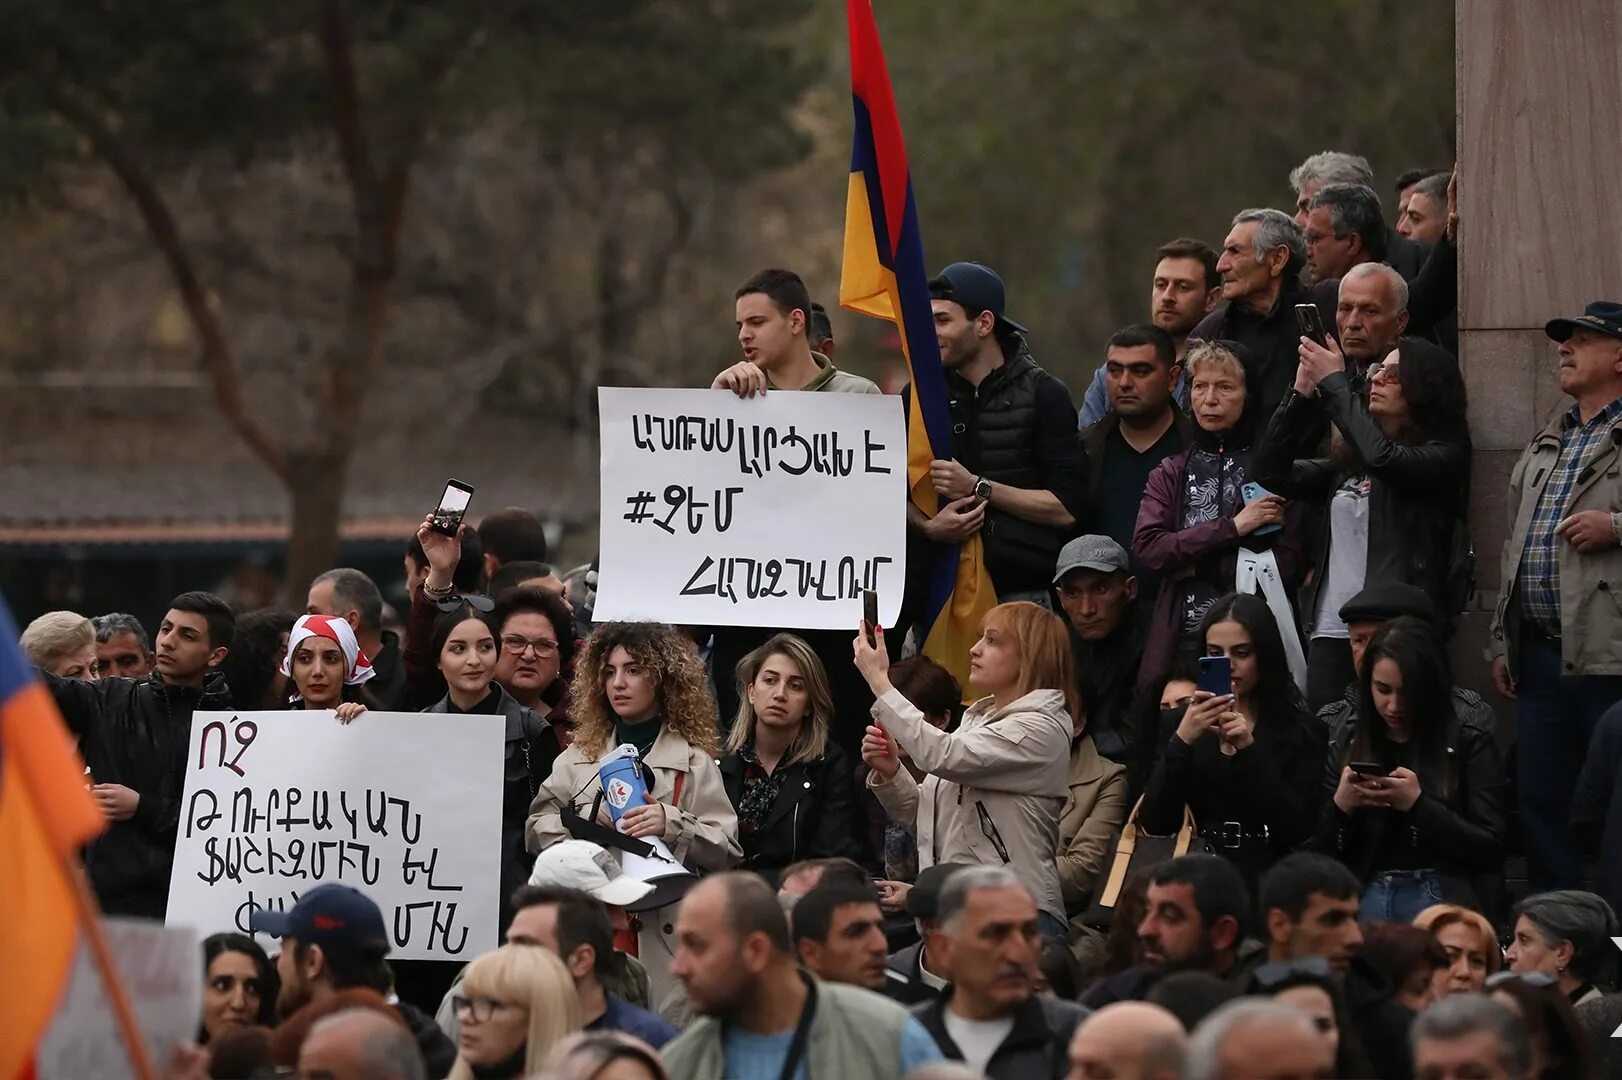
(1195, 516)
(1415, 781)
(1396, 480)
(995, 786)
(1244, 762)
(643, 684)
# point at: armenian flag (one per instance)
(883, 275)
(46, 815)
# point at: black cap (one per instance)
(975, 286)
(1602, 316)
(925, 897)
(1388, 600)
(336, 917)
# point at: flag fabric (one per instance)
(46, 814)
(883, 275)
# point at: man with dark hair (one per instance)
(1309, 908)
(1198, 909)
(1016, 475)
(1333, 167)
(773, 312)
(991, 1017)
(134, 735)
(1143, 427)
(334, 939)
(914, 976)
(1186, 287)
(350, 595)
(529, 574)
(820, 331)
(511, 535)
(577, 928)
(1405, 183)
(1100, 598)
(1344, 228)
(123, 648)
(839, 934)
(759, 1016)
(1423, 216)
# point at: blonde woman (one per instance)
(794, 791)
(62, 643)
(515, 1005)
(1472, 947)
(996, 785)
(643, 684)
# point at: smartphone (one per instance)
(1251, 492)
(870, 615)
(1310, 322)
(452, 507)
(1369, 768)
(1216, 675)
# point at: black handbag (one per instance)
(1135, 853)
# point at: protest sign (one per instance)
(161, 969)
(405, 807)
(774, 511)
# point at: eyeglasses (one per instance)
(1530, 978)
(477, 1009)
(519, 645)
(473, 600)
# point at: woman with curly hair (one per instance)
(643, 684)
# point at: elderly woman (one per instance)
(63, 643)
(1565, 935)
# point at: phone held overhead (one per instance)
(452, 507)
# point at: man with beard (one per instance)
(1197, 910)
(334, 940)
(1185, 288)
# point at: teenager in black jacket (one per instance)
(793, 789)
(1423, 812)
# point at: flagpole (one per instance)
(84, 902)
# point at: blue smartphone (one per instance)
(1216, 675)
(1250, 493)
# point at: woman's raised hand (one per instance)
(873, 661)
(879, 753)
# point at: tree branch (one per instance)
(165, 233)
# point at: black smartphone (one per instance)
(1310, 322)
(452, 507)
(870, 615)
(1216, 675)
(1369, 768)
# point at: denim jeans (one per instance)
(1554, 717)
(1399, 895)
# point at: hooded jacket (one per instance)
(136, 732)
(520, 780)
(994, 788)
(814, 816)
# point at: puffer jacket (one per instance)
(1457, 836)
(994, 787)
(1416, 493)
(519, 783)
(136, 732)
(1590, 584)
(701, 831)
(814, 816)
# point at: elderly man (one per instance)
(1252, 1039)
(123, 647)
(360, 1044)
(1470, 1037)
(1129, 1040)
(1334, 167)
(1344, 228)
(1557, 620)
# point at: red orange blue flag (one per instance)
(884, 275)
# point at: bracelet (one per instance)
(430, 591)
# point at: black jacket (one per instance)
(1036, 1049)
(1094, 438)
(437, 1051)
(386, 689)
(136, 732)
(903, 981)
(1107, 678)
(1457, 836)
(527, 734)
(1417, 494)
(814, 816)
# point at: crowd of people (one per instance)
(1218, 808)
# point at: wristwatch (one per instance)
(982, 489)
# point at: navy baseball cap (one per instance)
(335, 917)
(975, 286)
(1602, 317)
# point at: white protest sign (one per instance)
(774, 511)
(161, 969)
(405, 807)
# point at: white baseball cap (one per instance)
(588, 867)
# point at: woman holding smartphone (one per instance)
(643, 684)
(1245, 762)
(1415, 780)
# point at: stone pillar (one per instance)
(1539, 193)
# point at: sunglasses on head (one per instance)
(1530, 978)
(482, 604)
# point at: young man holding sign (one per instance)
(134, 734)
